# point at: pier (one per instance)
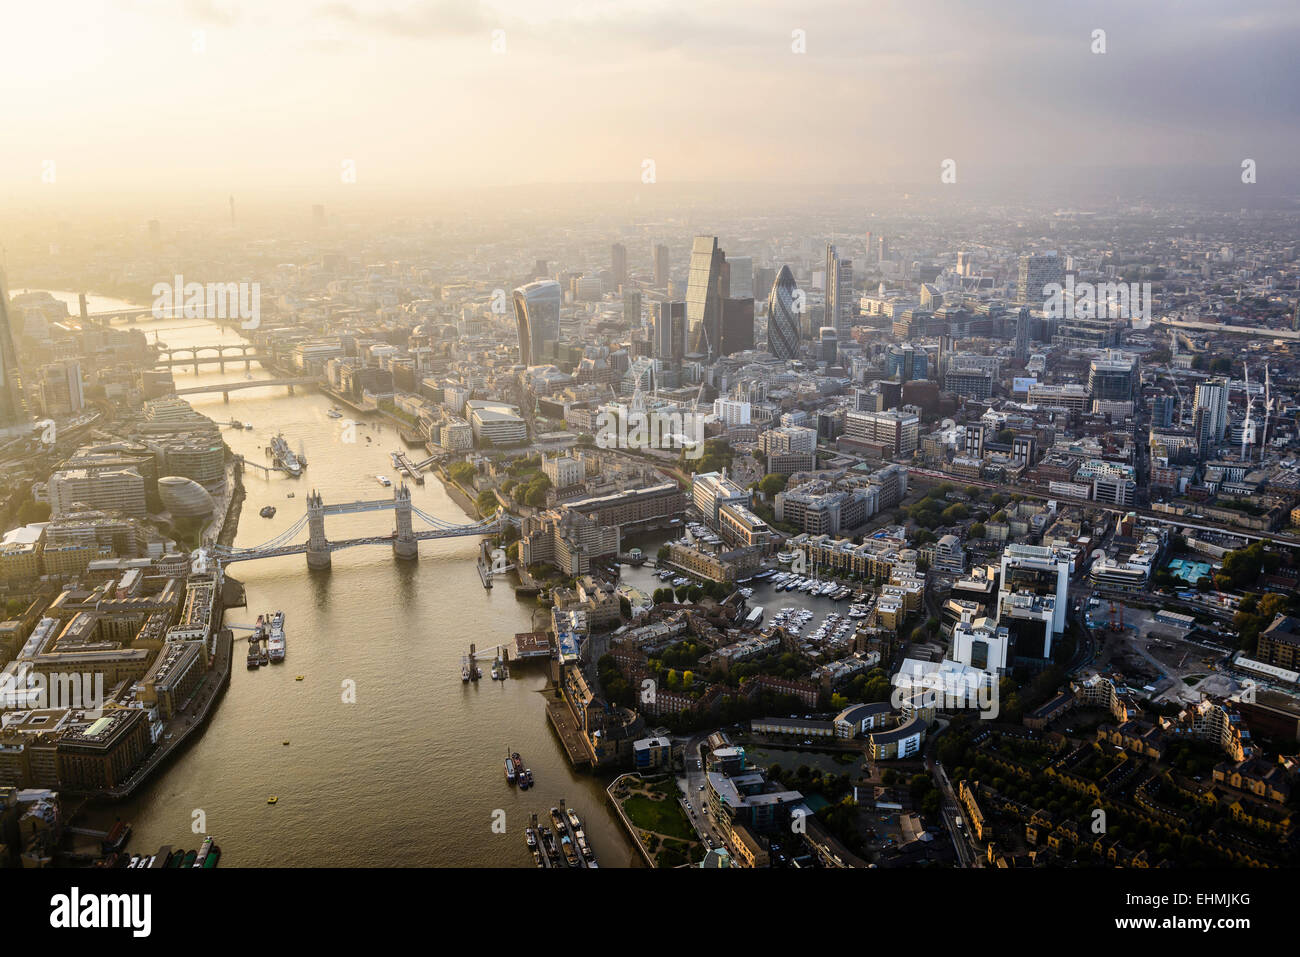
(566, 726)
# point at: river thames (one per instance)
(412, 773)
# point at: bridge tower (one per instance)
(405, 544)
(318, 546)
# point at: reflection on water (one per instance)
(413, 771)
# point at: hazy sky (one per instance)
(284, 91)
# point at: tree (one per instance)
(772, 483)
(977, 530)
(486, 501)
(461, 472)
(954, 514)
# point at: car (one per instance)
(701, 787)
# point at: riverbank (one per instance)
(458, 494)
(230, 524)
(185, 722)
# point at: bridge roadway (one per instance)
(233, 358)
(227, 557)
(228, 387)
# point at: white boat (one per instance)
(334, 414)
(275, 643)
(383, 480)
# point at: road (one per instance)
(690, 781)
(967, 853)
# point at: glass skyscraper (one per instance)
(782, 320)
(537, 315)
(704, 295)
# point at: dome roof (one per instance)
(185, 498)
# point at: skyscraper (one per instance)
(661, 266)
(839, 291)
(13, 409)
(1114, 379)
(737, 326)
(1022, 334)
(537, 316)
(670, 331)
(704, 295)
(782, 320)
(741, 280)
(1036, 272)
(618, 263)
(1212, 396)
(632, 308)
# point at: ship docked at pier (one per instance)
(275, 641)
(284, 457)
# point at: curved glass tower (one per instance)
(782, 319)
(537, 315)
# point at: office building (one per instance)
(618, 264)
(632, 309)
(782, 318)
(1041, 572)
(898, 431)
(13, 407)
(711, 490)
(737, 328)
(1037, 271)
(670, 332)
(1115, 378)
(840, 305)
(704, 294)
(108, 488)
(741, 279)
(661, 266)
(61, 389)
(905, 362)
(1212, 396)
(1022, 334)
(537, 316)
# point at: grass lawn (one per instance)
(662, 817)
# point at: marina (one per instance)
(561, 845)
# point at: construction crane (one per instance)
(1268, 409)
(1247, 427)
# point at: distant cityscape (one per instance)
(872, 551)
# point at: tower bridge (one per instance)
(318, 548)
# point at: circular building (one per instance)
(185, 498)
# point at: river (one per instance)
(412, 773)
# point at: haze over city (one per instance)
(171, 101)
(528, 435)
